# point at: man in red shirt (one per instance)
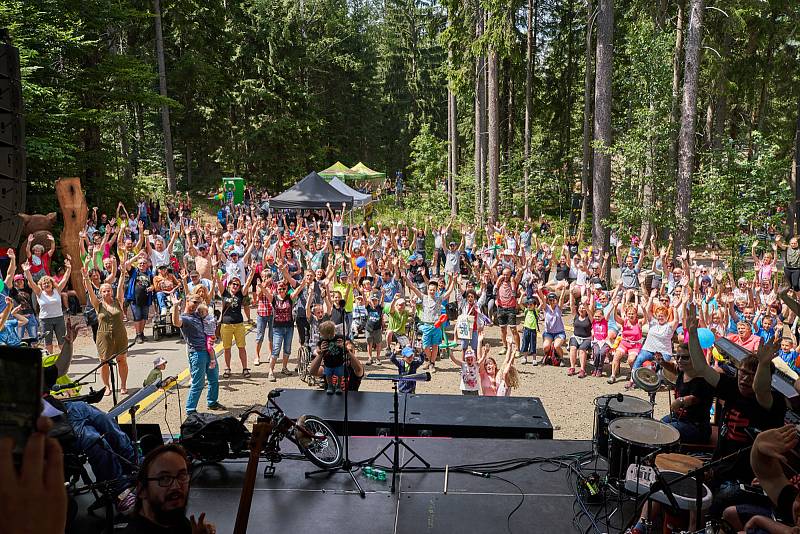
(745, 338)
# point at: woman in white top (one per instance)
(48, 295)
(660, 332)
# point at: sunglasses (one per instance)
(683, 358)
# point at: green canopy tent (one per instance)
(363, 169)
(341, 171)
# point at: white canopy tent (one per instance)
(359, 199)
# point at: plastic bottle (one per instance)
(379, 474)
(368, 472)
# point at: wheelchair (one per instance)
(162, 323)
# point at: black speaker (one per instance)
(148, 434)
(12, 147)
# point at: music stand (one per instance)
(397, 442)
(346, 465)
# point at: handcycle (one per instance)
(316, 441)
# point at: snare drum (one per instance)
(607, 408)
(633, 438)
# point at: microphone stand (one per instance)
(346, 465)
(111, 362)
(397, 441)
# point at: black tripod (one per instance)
(347, 465)
(397, 441)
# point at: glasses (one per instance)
(683, 358)
(281, 289)
(166, 481)
(235, 284)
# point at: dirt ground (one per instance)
(569, 401)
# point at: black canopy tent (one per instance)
(312, 192)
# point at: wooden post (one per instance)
(74, 212)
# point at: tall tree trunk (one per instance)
(588, 78)
(686, 140)
(453, 150)
(530, 66)
(172, 183)
(795, 174)
(602, 124)
(494, 134)
(189, 165)
(480, 119)
(676, 90)
(648, 188)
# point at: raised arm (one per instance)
(699, 363)
(65, 279)
(12, 268)
(762, 382)
(87, 284)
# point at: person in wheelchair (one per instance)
(86, 432)
(317, 314)
(165, 285)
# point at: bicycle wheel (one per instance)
(324, 449)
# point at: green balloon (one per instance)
(2, 284)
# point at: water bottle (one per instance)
(379, 474)
(368, 472)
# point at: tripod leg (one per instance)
(414, 455)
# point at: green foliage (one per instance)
(428, 160)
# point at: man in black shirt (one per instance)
(749, 407)
(162, 492)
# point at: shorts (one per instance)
(374, 338)
(231, 331)
(506, 316)
(630, 346)
(140, 313)
(552, 336)
(263, 326)
(431, 336)
(333, 371)
(581, 343)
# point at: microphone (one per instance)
(619, 397)
(68, 385)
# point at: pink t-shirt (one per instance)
(765, 271)
(599, 330)
(752, 343)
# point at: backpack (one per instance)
(212, 438)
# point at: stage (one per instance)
(289, 502)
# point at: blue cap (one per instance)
(412, 257)
(407, 351)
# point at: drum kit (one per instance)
(640, 451)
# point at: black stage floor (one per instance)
(289, 502)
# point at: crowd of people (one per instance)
(408, 295)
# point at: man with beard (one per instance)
(162, 491)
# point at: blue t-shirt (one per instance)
(192, 329)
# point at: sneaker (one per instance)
(286, 372)
(611, 379)
(338, 390)
(217, 407)
(432, 368)
(272, 378)
(329, 390)
(139, 338)
(377, 361)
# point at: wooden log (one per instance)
(74, 212)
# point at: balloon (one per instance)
(361, 262)
(706, 337)
(441, 321)
(2, 284)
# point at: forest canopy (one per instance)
(513, 106)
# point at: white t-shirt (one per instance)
(159, 258)
(659, 338)
(469, 377)
(438, 239)
(338, 228)
(49, 305)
